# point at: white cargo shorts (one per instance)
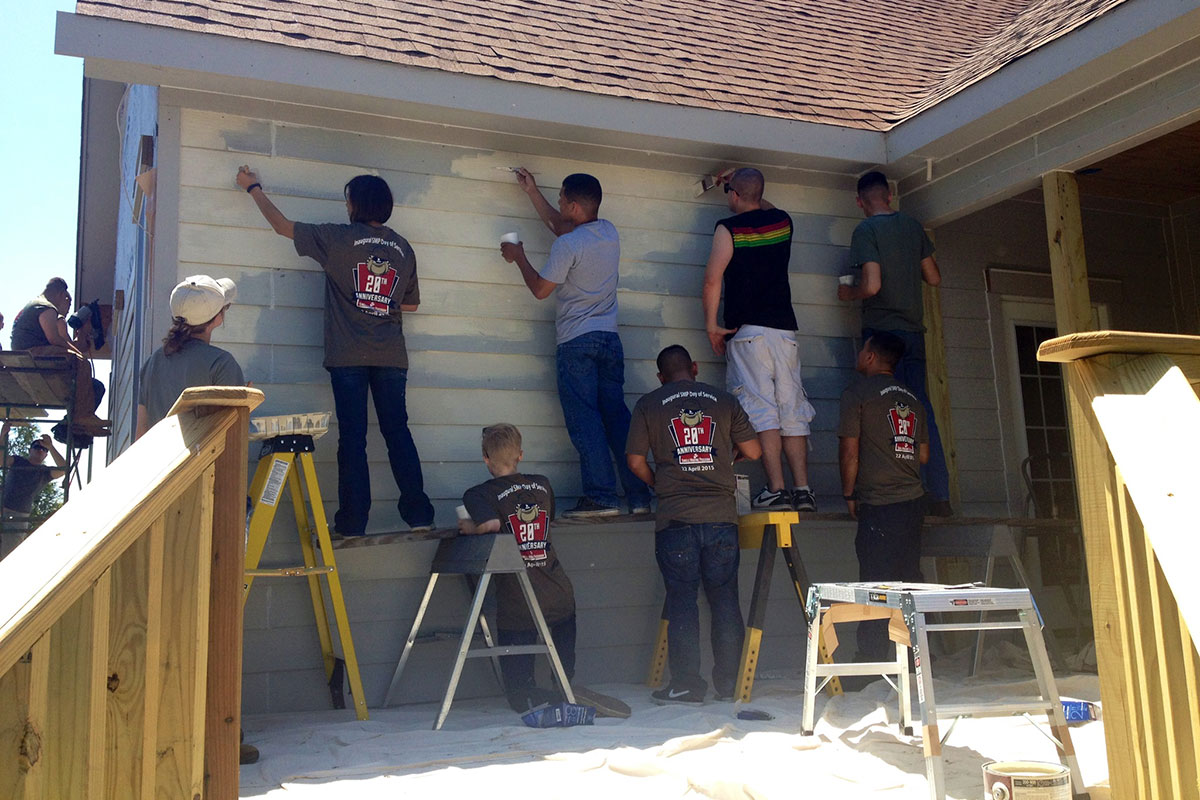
(763, 373)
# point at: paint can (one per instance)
(1026, 780)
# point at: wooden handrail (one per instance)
(1133, 440)
(120, 624)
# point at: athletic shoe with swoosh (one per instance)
(675, 695)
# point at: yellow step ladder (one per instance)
(286, 458)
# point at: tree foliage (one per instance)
(50, 498)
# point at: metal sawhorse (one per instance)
(483, 555)
(915, 602)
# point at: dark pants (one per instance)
(910, 370)
(889, 549)
(688, 556)
(387, 387)
(518, 670)
(591, 389)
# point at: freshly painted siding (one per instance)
(481, 347)
(481, 350)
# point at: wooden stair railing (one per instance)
(1135, 433)
(120, 621)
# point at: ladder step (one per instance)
(993, 709)
(289, 572)
(514, 650)
(974, 626)
(858, 668)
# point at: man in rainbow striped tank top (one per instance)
(750, 254)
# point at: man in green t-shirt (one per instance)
(896, 256)
(882, 441)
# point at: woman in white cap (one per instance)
(186, 358)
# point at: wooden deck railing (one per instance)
(1135, 432)
(120, 621)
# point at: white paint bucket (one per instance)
(1026, 780)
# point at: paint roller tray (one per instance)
(314, 425)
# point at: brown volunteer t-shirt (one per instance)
(889, 423)
(690, 427)
(369, 273)
(524, 504)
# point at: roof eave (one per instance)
(1134, 31)
(136, 53)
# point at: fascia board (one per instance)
(1133, 31)
(138, 53)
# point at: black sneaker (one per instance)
(766, 500)
(671, 696)
(587, 508)
(803, 500)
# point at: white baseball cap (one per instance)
(199, 298)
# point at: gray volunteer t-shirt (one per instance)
(898, 243)
(690, 428)
(197, 363)
(369, 273)
(585, 264)
(889, 423)
(524, 504)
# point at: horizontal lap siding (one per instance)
(481, 350)
(478, 327)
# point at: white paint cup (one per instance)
(512, 238)
(462, 512)
(846, 280)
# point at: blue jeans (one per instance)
(690, 555)
(910, 371)
(387, 386)
(888, 546)
(591, 389)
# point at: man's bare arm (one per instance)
(714, 273)
(549, 214)
(278, 222)
(930, 272)
(539, 286)
(469, 527)
(639, 466)
(923, 453)
(408, 306)
(848, 464)
(869, 287)
(750, 449)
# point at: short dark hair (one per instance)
(579, 187)
(370, 198)
(888, 346)
(56, 285)
(748, 183)
(674, 358)
(872, 183)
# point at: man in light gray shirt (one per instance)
(582, 272)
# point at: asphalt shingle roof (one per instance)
(853, 63)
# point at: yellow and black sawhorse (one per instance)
(288, 460)
(768, 531)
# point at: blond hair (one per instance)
(502, 444)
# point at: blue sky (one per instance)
(39, 155)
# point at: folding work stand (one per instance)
(915, 602)
(484, 555)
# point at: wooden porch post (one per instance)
(1097, 489)
(937, 383)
